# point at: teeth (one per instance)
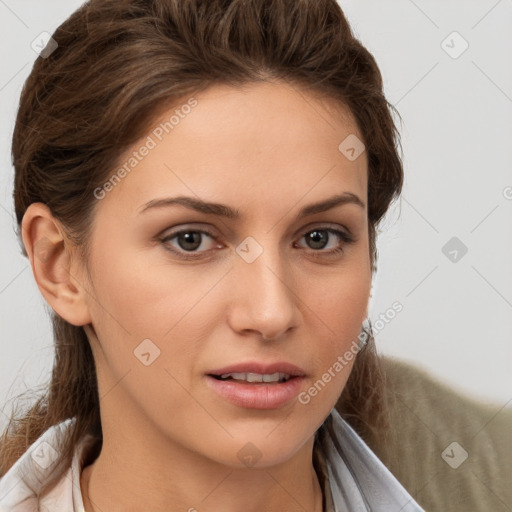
(274, 377)
(257, 377)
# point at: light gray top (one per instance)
(352, 477)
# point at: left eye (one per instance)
(320, 237)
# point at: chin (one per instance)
(259, 450)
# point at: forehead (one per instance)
(253, 144)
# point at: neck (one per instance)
(125, 483)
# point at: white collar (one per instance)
(358, 480)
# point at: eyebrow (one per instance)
(223, 210)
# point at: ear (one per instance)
(55, 265)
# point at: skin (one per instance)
(170, 442)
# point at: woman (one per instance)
(198, 189)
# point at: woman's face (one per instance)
(176, 294)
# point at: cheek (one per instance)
(165, 303)
(340, 298)
(148, 321)
(338, 309)
(145, 298)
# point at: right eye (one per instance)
(188, 242)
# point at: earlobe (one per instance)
(51, 259)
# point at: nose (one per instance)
(262, 296)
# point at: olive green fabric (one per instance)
(427, 416)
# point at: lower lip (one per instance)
(257, 396)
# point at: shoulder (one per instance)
(450, 452)
(41, 477)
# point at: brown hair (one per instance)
(118, 62)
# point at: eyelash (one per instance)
(346, 238)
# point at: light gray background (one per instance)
(457, 318)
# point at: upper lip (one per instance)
(261, 368)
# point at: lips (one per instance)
(254, 394)
(260, 368)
